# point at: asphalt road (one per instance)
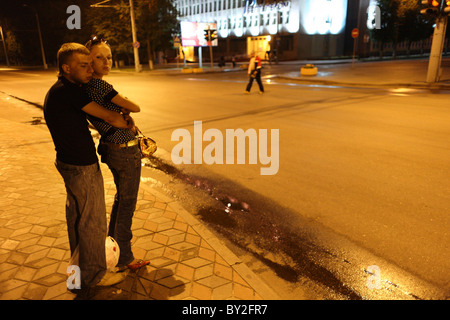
(362, 177)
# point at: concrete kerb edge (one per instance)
(178, 72)
(426, 86)
(236, 264)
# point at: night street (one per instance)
(360, 178)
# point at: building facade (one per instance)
(289, 29)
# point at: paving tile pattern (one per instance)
(34, 249)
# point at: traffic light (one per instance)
(210, 35)
(433, 6)
(213, 34)
(446, 7)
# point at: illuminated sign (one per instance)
(324, 16)
(243, 17)
(253, 6)
(253, 17)
(193, 33)
(270, 18)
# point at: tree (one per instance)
(401, 21)
(157, 23)
(13, 48)
(389, 22)
(413, 26)
(114, 25)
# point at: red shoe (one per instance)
(138, 264)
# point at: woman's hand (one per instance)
(130, 122)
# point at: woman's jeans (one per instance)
(86, 218)
(125, 165)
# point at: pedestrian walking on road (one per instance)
(254, 72)
(65, 108)
(222, 61)
(119, 149)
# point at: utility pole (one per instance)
(40, 40)
(440, 9)
(210, 48)
(137, 64)
(210, 36)
(4, 46)
(434, 65)
(40, 34)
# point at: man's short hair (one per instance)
(66, 51)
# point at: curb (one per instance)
(235, 263)
(431, 86)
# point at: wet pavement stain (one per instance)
(259, 233)
(217, 217)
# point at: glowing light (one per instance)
(224, 33)
(272, 29)
(238, 32)
(254, 31)
(324, 16)
(294, 20)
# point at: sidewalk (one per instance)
(187, 261)
(388, 74)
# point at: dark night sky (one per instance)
(20, 28)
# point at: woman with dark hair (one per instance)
(119, 149)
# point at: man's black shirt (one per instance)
(67, 123)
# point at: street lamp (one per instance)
(40, 35)
(137, 64)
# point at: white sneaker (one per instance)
(111, 278)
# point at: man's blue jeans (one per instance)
(86, 218)
(125, 165)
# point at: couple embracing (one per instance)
(80, 94)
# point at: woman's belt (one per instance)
(122, 145)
